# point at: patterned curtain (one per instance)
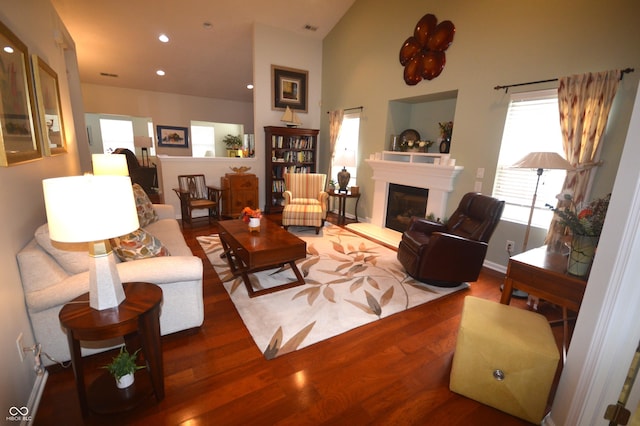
(335, 123)
(584, 101)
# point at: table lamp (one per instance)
(93, 209)
(345, 158)
(143, 142)
(540, 161)
(110, 164)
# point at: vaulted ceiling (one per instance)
(210, 46)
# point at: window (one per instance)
(116, 134)
(203, 139)
(532, 124)
(347, 139)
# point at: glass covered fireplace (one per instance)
(402, 203)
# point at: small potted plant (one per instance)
(252, 217)
(332, 186)
(232, 142)
(123, 366)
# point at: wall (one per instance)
(22, 210)
(495, 43)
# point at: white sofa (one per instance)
(52, 277)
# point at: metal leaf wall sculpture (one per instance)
(422, 54)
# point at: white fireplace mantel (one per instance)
(435, 172)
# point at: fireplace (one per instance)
(403, 202)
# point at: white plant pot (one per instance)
(125, 381)
(254, 224)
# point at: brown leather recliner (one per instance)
(448, 254)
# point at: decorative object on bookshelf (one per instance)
(290, 118)
(293, 150)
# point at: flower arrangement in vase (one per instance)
(585, 225)
(251, 217)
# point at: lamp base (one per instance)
(105, 287)
(343, 179)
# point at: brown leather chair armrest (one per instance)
(426, 226)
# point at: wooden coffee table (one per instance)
(248, 252)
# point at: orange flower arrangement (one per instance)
(247, 213)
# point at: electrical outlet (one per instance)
(509, 246)
(20, 346)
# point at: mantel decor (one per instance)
(289, 88)
(174, 137)
(19, 140)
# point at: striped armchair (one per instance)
(305, 200)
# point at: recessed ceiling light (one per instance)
(250, 86)
(8, 49)
(160, 72)
(163, 38)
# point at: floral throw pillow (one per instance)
(146, 213)
(139, 244)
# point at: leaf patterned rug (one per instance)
(350, 281)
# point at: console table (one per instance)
(137, 319)
(544, 274)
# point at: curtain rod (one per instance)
(349, 109)
(506, 87)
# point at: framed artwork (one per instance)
(174, 137)
(49, 107)
(19, 140)
(289, 88)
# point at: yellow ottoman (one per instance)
(505, 357)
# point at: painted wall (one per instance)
(22, 211)
(496, 43)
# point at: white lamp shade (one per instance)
(142, 141)
(89, 208)
(110, 164)
(345, 158)
(543, 160)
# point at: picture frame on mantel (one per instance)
(289, 88)
(173, 137)
(19, 139)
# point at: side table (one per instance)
(342, 202)
(137, 319)
(544, 274)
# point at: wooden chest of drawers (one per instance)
(238, 191)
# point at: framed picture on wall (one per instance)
(289, 88)
(49, 107)
(174, 137)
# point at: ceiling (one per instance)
(120, 38)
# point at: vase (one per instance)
(254, 224)
(583, 249)
(125, 381)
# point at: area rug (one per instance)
(349, 281)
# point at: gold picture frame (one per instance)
(289, 88)
(49, 107)
(19, 140)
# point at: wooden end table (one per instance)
(248, 252)
(342, 203)
(137, 319)
(544, 274)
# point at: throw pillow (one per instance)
(146, 213)
(139, 244)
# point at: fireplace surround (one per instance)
(435, 172)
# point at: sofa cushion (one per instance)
(73, 257)
(146, 212)
(138, 244)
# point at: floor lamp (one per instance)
(539, 161)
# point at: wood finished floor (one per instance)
(390, 372)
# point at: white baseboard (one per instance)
(34, 398)
(495, 266)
